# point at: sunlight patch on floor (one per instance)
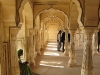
(51, 49)
(51, 54)
(51, 64)
(51, 45)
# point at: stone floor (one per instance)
(52, 62)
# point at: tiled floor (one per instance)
(52, 62)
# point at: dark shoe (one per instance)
(58, 50)
(62, 51)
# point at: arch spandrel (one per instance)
(8, 10)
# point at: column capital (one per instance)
(32, 31)
(14, 31)
(90, 30)
(72, 30)
(66, 30)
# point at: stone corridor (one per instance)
(52, 62)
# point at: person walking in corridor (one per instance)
(59, 40)
(63, 40)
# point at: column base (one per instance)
(38, 52)
(72, 64)
(66, 53)
(32, 63)
(95, 53)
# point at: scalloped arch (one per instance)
(20, 9)
(48, 19)
(50, 11)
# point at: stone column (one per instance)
(27, 42)
(5, 50)
(42, 39)
(95, 43)
(66, 52)
(72, 61)
(4, 64)
(79, 41)
(13, 51)
(38, 43)
(32, 48)
(46, 37)
(87, 62)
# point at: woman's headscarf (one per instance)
(20, 51)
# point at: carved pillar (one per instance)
(72, 61)
(5, 64)
(46, 37)
(42, 39)
(32, 48)
(66, 52)
(87, 62)
(95, 43)
(13, 51)
(79, 41)
(27, 42)
(38, 43)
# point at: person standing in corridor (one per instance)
(63, 40)
(59, 40)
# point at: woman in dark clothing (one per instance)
(24, 68)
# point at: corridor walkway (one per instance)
(52, 62)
